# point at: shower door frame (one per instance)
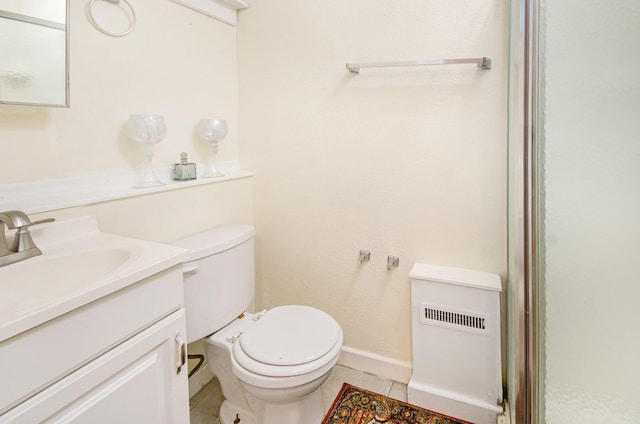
(524, 146)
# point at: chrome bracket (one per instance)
(364, 256)
(393, 262)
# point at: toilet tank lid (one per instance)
(216, 240)
(457, 276)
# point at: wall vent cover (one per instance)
(442, 316)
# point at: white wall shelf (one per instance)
(223, 10)
(55, 194)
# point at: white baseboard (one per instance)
(379, 365)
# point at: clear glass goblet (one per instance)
(212, 131)
(146, 130)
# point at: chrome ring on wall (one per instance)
(104, 31)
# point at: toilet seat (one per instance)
(287, 342)
(290, 335)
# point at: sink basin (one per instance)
(79, 264)
(62, 274)
(75, 269)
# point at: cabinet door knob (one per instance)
(182, 353)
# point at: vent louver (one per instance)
(454, 319)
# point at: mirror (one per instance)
(34, 64)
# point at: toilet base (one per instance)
(308, 410)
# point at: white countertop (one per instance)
(79, 264)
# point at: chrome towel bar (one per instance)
(483, 63)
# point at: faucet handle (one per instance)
(22, 239)
(31, 224)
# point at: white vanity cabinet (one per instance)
(118, 359)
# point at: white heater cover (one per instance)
(456, 342)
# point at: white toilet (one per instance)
(271, 364)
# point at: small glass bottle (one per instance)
(184, 171)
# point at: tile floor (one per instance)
(205, 405)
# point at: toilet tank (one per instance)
(219, 278)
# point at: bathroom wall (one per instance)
(176, 62)
(399, 161)
(408, 162)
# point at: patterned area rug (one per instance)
(354, 405)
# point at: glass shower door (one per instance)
(589, 275)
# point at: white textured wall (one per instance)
(170, 215)
(407, 162)
(177, 63)
(591, 65)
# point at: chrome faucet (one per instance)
(22, 246)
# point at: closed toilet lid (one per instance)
(290, 335)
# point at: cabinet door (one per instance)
(139, 381)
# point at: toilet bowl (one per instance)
(270, 364)
(280, 358)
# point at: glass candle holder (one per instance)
(212, 131)
(147, 131)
